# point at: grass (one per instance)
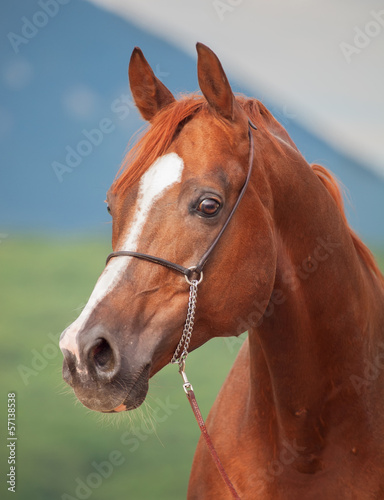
(62, 446)
(65, 451)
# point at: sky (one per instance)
(322, 62)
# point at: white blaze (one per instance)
(164, 173)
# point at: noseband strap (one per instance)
(150, 258)
(191, 272)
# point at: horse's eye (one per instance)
(209, 207)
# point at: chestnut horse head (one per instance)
(171, 200)
(301, 414)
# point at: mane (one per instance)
(333, 187)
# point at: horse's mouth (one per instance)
(136, 393)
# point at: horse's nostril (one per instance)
(102, 355)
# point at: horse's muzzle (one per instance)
(102, 378)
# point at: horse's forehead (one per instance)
(211, 154)
(205, 141)
(203, 149)
(205, 131)
(132, 208)
(161, 175)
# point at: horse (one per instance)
(301, 413)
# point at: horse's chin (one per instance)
(129, 404)
(132, 401)
(111, 398)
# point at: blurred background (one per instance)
(66, 116)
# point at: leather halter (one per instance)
(194, 275)
(191, 272)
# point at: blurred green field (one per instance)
(61, 445)
(63, 448)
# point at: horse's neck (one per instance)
(316, 333)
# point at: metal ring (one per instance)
(193, 269)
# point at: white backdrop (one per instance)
(321, 61)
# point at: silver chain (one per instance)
(188, 327)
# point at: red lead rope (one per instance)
(208, 440)
(196, 411)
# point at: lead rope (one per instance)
(179, 359)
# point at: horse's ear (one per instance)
(149, 93)
(214, 83)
